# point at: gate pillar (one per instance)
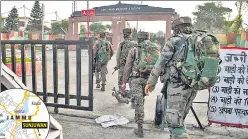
(122, 26)
(114, 34)
(168, 28)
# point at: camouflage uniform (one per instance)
(122, 53)
(101, 67)
(138, 82)
(179, 95)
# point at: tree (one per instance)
(237, 24)
(160, 34)
(58, 25)
(82, 30)
(12, 21)
(211, 16)
(109, 27)
(36, 14)
(97, 28)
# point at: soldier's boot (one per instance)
(139, 131)
(179, 133)
(98, 85)
(103, 87)
(120, 98)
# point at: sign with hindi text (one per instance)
(228, 101)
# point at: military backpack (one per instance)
(149, 53)
(103, 51)
(198, 60)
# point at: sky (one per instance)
(64, 9)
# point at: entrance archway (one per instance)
(122, 12)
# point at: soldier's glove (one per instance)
(116, 68)
(148, 89)
(123, 86)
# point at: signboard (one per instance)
(91, 12)
(228, 101)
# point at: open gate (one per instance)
(21, 65)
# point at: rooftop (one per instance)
(126, 9)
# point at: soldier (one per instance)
(121, 55)
(138, 66)
(102, 52)
(180, 94)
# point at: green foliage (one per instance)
(237, 24)
(57, 26)
(210, 16)
(83, 31)
(109, 27)
(12, 21)
(97, 27)
(36, 14)
(18, 60)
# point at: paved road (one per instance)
(83, 124)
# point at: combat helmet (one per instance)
(103, 34)
(181, 20)
(127, 31)
(143, 35)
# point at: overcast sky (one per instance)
(64, 9)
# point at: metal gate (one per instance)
(55, 94)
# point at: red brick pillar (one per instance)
(75, 30)
(70, 26)
(72, 32)
(114, 34)
(122, 26)
(168, 28)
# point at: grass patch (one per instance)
(18, 60)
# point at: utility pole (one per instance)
(137, 23)
(25, 19)
(56, 14)
(42, 22)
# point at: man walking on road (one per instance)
(102, 53)
(121, 56)
(179, 62)
(139, 63)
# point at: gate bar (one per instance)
(67, 79)
(13, 57)
(23, 61)
(33, 59)
(78, 66)
(55, 76)
(44, 73)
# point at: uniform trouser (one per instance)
(137, 90)
(101, 69)
(179, 100)
(120, 76)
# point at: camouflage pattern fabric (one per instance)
(200, 61)
(101, 51)
(137, 90)
(149, 54)
(121, 56)
(137, 87)
(179, 94)
(101, 70)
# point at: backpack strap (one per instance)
(184, 38)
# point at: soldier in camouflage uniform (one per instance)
(138, 81)
(121, 55)
(102, 55)
(179, 95)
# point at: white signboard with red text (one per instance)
(228, 101)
